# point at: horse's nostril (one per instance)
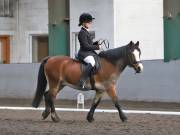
(139, 69)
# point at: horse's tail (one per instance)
(41, 84)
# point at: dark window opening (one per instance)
(6, 8)
(39, 48)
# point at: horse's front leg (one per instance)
(95, 103)
(111, 91)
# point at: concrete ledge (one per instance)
(159, 82)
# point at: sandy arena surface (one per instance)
(75, 123)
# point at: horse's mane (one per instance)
(113, 55)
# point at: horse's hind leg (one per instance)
(96, 101)
(50, 97)
(53, 93)
(47, 110)
(112, 93)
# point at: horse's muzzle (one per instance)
(138, 67)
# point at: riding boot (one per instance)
(87, 72)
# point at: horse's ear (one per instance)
(137, 43)
(131, 43)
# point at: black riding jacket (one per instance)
(87, 46)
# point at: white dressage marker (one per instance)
(97, 110)
(80, 100)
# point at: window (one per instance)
(39, 48)
(6, 8)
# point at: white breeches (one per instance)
(90, 59)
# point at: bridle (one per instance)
(132, 61)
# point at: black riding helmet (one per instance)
(85, 17)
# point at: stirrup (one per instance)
(81, 83)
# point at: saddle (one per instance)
(97, 63)
(95, 70)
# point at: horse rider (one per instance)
(87, 47)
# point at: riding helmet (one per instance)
(85, 17)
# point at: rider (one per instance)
(87, 46)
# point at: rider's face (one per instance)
(87, 25)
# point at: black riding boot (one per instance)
(85, 75)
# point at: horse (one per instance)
(60, 71)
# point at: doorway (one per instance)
(171, 29)
(4, 49)
(58, 27)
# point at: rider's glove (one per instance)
(95, 43)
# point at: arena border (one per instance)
(97, 110)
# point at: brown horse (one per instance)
(60, 71)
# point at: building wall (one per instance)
(140, 20)
(119, 21)
(30, 17)
(33, 19)
(8, 27)
(7, 24)
(102, 10)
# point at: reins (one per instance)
(105, 43)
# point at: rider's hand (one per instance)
(100, 47)
(95, 43)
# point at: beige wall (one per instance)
(140, 20)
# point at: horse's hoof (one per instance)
(90, 119)
(45, 114)
(124, 118)
(55, 117)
